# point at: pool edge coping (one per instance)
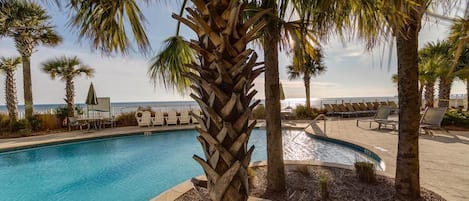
(83, 137)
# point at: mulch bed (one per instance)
(302, 184)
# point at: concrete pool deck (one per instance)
(444, 160)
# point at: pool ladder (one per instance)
(315, 127)
(147, 133)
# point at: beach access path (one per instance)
(444, 157)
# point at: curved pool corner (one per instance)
(362, 148)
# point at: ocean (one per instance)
(123, 107)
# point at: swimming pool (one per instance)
(136, 167)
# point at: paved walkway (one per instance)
(444, 158)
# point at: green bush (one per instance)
(4, 123)
(365, 172)
(126, 119)
(323, 189)
(305, 113)
(48, 122)
(457, 118)
(258, 112)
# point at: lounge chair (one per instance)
(381, 117)
(158, 119)
(329, 109)
(143, 118)
(109, 121)
(172, 118)
(198, 113)
(184, 117)
(73, 121)
(432, 118)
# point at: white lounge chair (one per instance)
(73, 121)
(184, 117)
(172, 118)
(158, 119)
(432, 118)
(143, 118)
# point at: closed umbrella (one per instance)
(91, 99)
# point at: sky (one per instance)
(351, 70)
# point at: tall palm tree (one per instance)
(309, 68)
(222, 84)
(9, 65)
(29, 26)
(459, 35)
(169, 65)
(67, 68)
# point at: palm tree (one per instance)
(459, 35)
(8, 65)
(222, 84)
(311, 67)
(67, 69)
(169, 65)
(28, 24)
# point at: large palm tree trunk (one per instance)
(275, 167)
(429, 94)
(307, 82)
(69, 93)
(407, 168)
(10, 96)
(444, 91)
(27, 87)
(223, 90)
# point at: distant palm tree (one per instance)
(67, 69)
(307, 68)
(8, 65)
(29, 26)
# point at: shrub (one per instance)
(304, 113)
(48, 122)
(365, 172)
(258, 112)
(126, 119)
(457, 118)
(323, 189)
(4, 123)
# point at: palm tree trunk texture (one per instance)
(444, 92)
(429, 94)
(70, 88)
(27, 87)
(10, 96)
(407, 168)
(275, 163)
(223, 84)
(307, 82)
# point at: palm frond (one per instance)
(169, 66)
(104, 23)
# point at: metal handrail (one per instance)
(315, 120)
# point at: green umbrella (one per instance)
(91, 99)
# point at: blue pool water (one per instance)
(134, 167)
